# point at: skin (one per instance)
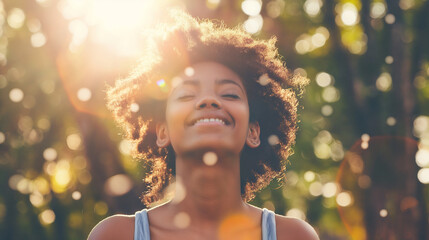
(211, 197)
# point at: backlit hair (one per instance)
(138, 101)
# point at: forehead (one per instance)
(209, 71)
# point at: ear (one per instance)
(253, 139)
(162, 136)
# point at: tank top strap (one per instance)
(268, 225)
(141, 226)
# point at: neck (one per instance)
(208, 192)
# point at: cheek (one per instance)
(175, 116)
(241, 116)
(242, 112)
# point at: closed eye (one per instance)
(185, 97)
(231, 96)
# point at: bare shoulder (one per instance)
(292, 228)
(114, 227)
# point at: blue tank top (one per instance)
(141, 225)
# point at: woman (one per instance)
(214, 112)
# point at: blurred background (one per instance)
(360, 168)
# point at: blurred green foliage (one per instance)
(62, 158)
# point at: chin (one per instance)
(213, 144)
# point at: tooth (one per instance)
(206, 120)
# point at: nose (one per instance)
(208, 102)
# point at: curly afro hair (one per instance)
(138, 101)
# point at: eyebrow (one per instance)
(229, 81)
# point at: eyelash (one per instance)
(233, 96)
(184, 97)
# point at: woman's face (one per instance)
(207, 109)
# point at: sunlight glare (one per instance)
(161, 83)
(42, 185)
(212, 4)
(322, 150)
(423, 175)
(323, 79)
(302, 46)
(389, 59)
(116, 25)
(316, 189)
(253, 24)
(134, 107)
(384, 82)
(50, 154)
(296, 213)
(79, 31)
(349, 14)
(344, 199)
(76, 195)
(179, 191)
(365, 137)
(71, 9)
(421, 125)
(390, 18)
(36, 199)
(391, 121)
(84, 94)
(118, 185)
(318, 40)
(309, 176)
(251, 7)
(329, 189)
(327, 110)
(182, 220)
(62, 176)
(43, 3)
(47, 217)
(113, 15)
(16, 18)
(264, 79)
(74, 141)
(378, 10)
(189, 71)
(383, 213)
(406, 4)
(16, 95)
(331, 94)
(25, 186)
(38, 39)
(300, 71)
(422, 158)
(273, 140)
(210, 158)
(312, 7)
(337, 151)
(14, 180)
(275, 8)
(125, 146)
